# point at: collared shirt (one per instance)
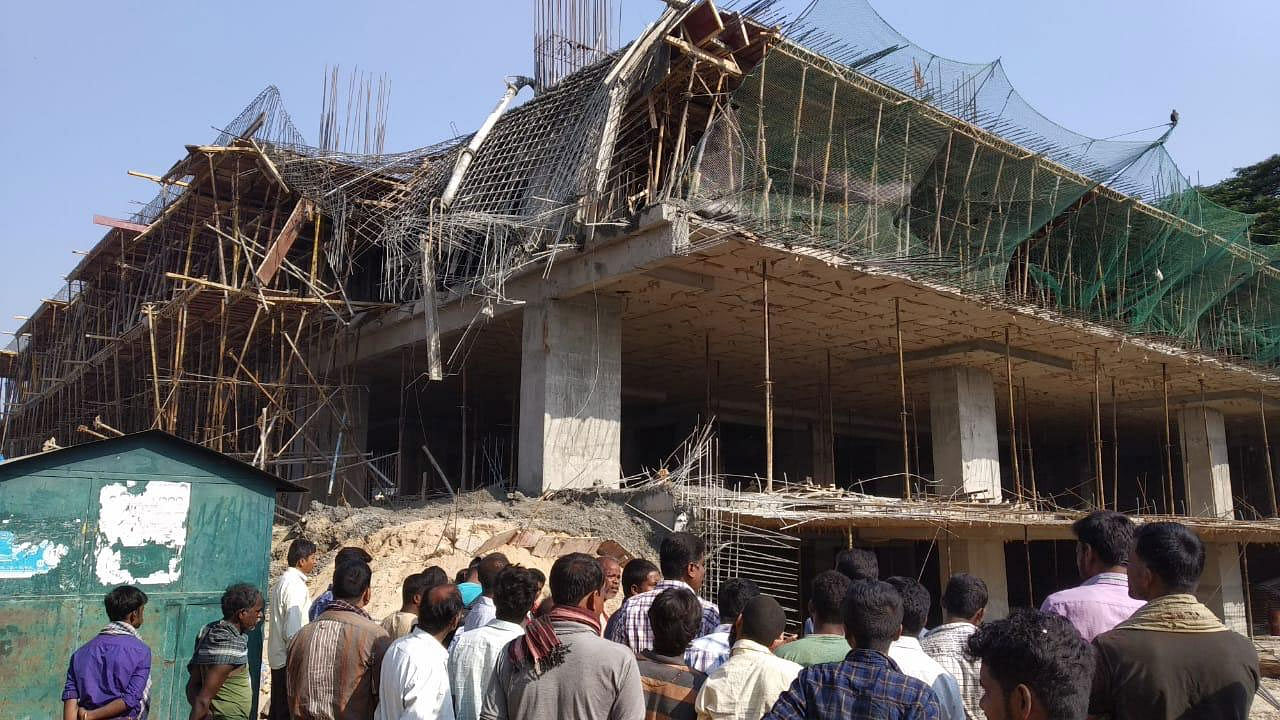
(633, 629)
(746, 685)
(471, 662)
(1095, 605)
(598, 680)
(106, 668)
(949, 645)
(482, 611)
(414, 680)
(286, 614)
(709, 651)
(914, 661)
(865, 686)
(399, 623)
(333, 667)
(670, 687)
(320, 604)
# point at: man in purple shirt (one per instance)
(110, 676)
(1102, 601)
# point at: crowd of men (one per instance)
(1130, 642)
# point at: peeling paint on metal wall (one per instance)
(142, 530)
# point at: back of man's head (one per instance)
(489, 567)
(299, 550)
(123, 600)
(826, 594)
(440, 609)
(676, 617)
(434, 575)
(350, 581)
(1172, 552)
(872, 614)
(858, 564)
(1041, 651)
(351, 554)
(1109, 533)
(763, 620)
(514, 593)
(677, 552)
(965, 595)
(413, 588)
(733, 596)
(573, 577)
(915, 603)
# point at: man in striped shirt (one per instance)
(670, 687)
(681, 559)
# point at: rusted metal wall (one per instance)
(180, 523)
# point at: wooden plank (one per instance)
(118, 224)
(283, 242)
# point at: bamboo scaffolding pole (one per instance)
(768, 382)
(1100, 492)
(902, 395)
(1171, 507)
(1013, 421)
(1266, 451)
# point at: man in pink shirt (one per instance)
(1103, 541)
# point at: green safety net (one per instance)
(845, 138)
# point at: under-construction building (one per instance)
(893, 304)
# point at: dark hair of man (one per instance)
(915, 603)
(636, 570)
(858, 564)
(965, 595)
(733, 596)
(763, 620)
(540, 577)
(434, 575)
(123, 600)
(240, 596)
(677, 552)
(440, 606)
(514, 593)
(489, 567)
(1042, 651)
(463, 575)
(299, 550)
(872, 614)
(573, 577)
(1109, 533)
(350, 555)
(415, 584)
(351, 580)
(1173, 552)
(826, 592)
(676, 617)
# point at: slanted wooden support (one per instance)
(283, 242)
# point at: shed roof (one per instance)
(152, 438)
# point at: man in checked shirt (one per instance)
(680, 557)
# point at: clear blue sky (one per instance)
(95, 89)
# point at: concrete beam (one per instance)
(963, 348)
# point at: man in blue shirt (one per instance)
(867, 685)
(110, 676)
(346, 555)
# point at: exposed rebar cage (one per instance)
(569, 35)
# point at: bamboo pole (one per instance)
(1013, 422)
(902, 392)
(1100, 491)
(1115, 452)
(1168, 441)
(1266, 449)
(768, 383)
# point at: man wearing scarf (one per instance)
(110, 676)
(1173, 658)
(561, 667)
(219, 686)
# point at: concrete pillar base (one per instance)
(985, 559)
(570, 395)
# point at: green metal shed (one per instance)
(178, 520)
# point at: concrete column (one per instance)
(822, 443)
(962, 417)
(966, 459)
(983, 558)
(570, 395)
(1208, 476)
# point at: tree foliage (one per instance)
(1254, 189)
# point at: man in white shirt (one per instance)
(711, 650)
(414, 681)
(474, 654)
(750, 681)
(912, 659)
(483, 610)
(286, 615)
(964, 603)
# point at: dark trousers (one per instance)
(279, 696)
